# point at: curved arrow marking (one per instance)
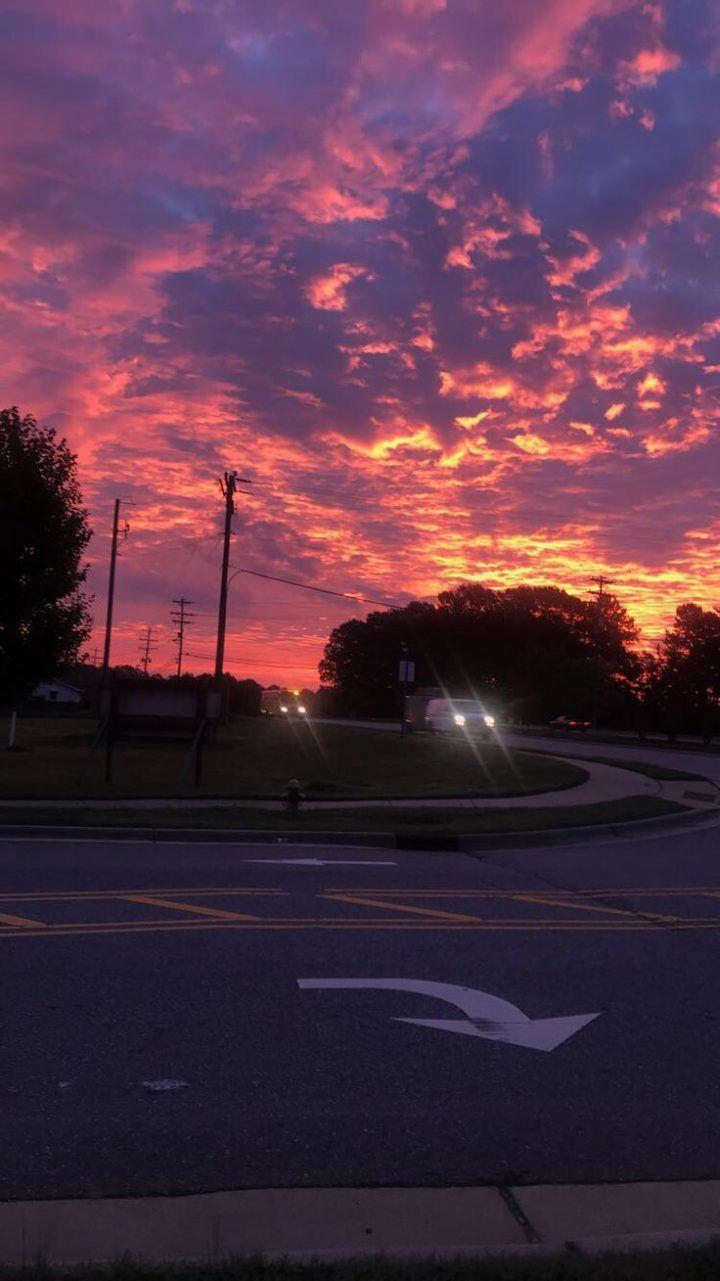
(488, 1016)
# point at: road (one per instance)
(156, 1038)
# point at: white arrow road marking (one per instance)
(167, 1083)
(323, 862)
(489, 1017)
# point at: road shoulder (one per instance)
(332, 1223)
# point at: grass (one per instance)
(650, 770)
(606, 738)
(426, 822)
(679, 1263)
(255, 757)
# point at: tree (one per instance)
(44, 613)
(536, 651)
(686, 684)
(361, 658)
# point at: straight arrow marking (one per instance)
(321, 862)
(488, 1017)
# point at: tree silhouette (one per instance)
(536, 651)
(44, 613)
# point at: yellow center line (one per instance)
(575, 905)
(679, 891)
(586, 927)
(194, 908)
(78, 895)
(400, 907)
(21, 921)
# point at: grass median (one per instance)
(256, 757)
(409, 822)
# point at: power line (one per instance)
(325, 591)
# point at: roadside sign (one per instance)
(406, 672)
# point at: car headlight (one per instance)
(283, 708)
(301, 710)
(489, 721)
(459, 719)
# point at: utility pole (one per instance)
(111, 591)
(181, 617)
(602, 583)
(147, 645)
(228, 489)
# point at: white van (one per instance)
(455, 715)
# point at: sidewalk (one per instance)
(329, 1223)
(605, 783)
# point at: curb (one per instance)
(596, 834)
(198, 835)
(332, 1223)
(450, 841)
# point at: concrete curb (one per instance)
(451, 841)
(328, 1223)
(664, 825)
(196, 835)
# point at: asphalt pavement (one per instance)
(184, 1018)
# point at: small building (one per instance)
(57, 692)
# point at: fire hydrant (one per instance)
(293, 797)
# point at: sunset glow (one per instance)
(441, 277)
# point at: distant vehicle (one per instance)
(282, 702)
(571, 724)
(455, 715)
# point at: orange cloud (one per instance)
(329, 293)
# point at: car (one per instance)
(281, 702)
(571, 724)
(458, 715)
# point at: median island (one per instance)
(254, 757)
(353, 779)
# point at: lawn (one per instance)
(255, 757)
(402, 822)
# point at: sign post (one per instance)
(406, 675)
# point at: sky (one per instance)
(439, 276)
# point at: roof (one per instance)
(65, 684)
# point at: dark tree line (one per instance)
(679, 686)
(537, 652)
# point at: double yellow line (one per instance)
(434, 918)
